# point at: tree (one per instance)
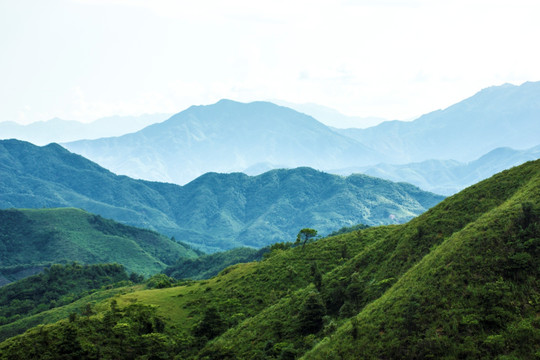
(211, 324)
(305, 235)
(311, 314)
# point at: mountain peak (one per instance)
(224, 137)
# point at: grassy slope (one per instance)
(46, 236)
(389, 253)
(459, 280)
(207, 266)
(474, 296)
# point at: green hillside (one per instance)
(459, 281)
(34, 238)
(207, 266)
(214, 212)
(35, 300)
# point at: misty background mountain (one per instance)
(256, 137)
(331, 117)
(499, 116)
(448, 177)
(225, 137)
(58, 130)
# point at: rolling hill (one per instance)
(459, 281)
(33, 238)
(213, 212)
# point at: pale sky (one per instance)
(85, 59)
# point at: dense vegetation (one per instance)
(212, 213)
(460, 281)
(207, 266)
(55, 287)
(41, 237)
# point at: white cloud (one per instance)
(391, 58)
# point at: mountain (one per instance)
(331, 117)
(58, 130)
(213, 212)
(447, 177)
(235, 137)
(499, 116)
(224, 137)
(34, 238)
(459, 281)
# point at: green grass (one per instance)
(460, 281)
(47, 236)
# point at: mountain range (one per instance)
(448, 177)
(58, 130)
(256, 137)
(213, 212)
(457, 282)
(498, 116)
(225, 137)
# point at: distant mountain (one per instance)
(499, 116)
(213, 212)
(58, 130)
(225, 137)
(41, 237)
(331, 117)
(447, 177)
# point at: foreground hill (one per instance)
(213, 212)
(32, 239)
(499, 116)
(447, 177)
(225, 137)
(459, 281)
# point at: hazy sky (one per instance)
(84, 59)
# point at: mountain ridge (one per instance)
(447, 177)
(498, 116)
(225, 137)
(213, 212)
(58, 130)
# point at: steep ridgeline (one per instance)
(225, 137)
(213, 212)
(447, 177)
(32, 239)
(499, 116)
(459, 281)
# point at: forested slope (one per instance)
(460, 280)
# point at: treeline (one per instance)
(56, 286)
(207, 266)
